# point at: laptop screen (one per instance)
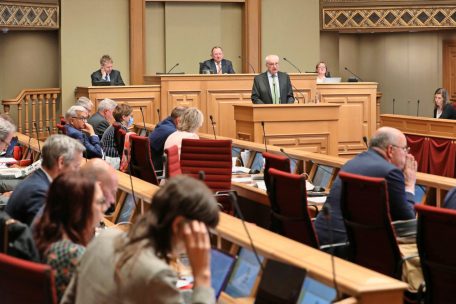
(244, 274)
(313, 292)
(280, 283)
(221, 267)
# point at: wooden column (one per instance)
(137, 41)
(252, 36)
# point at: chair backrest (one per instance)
(365, 209)
(213, 157)
(26, 282)
(435, 240)
(140, 161)
(290, 216)
(61, 129)
(278, 162)
(173, 167)
(119, 137)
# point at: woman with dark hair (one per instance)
(122, 115)
(322, 72)
(133, 268)
(443, 109)
(72, 211)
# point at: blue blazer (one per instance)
(91, 143)
(227, 67)
(28, 197)
(369, 163)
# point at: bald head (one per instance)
(106, 175)
(393, 145)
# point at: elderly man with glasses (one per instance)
(78, 128)
(387, 157)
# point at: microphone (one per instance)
(172, 68)
(299, 92)
(365, 141)
(251, 66)
(418, 107)
(37, 137)
(292, 64)
(394, 101)
(158, 112)
(213, 125)
(290, 158)
(356, 76)
(49, 130)
(144, 122)
(264, 136)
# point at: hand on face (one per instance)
(409, 171)
(88, 129)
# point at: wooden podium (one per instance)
(308, 127)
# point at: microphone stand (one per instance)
(172, 68)
(356, 76)
(292, 64)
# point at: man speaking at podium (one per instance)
(272, 86)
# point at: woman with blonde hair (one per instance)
(188, 125)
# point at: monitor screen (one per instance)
(257, 163)
(322, 176)
(244, 274)
(221, 267)
(314, 292)
(280, 283)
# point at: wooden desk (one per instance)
(422, 126)
(308, 127)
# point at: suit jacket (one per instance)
(28, 197)
(227, 67)
(146, 279)
(157, 139)
(449, 112)
(91, 143)
(115, 78)
(369, 163)
(450, 199)
(261, 91)
(99, 124)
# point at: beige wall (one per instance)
(290, 28)
(28, 59)
(179, 33)
(88, 30)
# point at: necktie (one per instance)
(219, 68)
(275, 98)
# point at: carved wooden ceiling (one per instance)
(35, 15)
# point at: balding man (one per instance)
(101, 120)
(272, 86)
(59, 153)
(388, 158)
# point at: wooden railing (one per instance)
(35, 106)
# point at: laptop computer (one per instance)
(314, 291)
(221, 267)
(244, 275)
(280, 283)
(332, 80)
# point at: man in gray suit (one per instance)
(106, 76)
(216, 65)
(100, 121)
(272, 86)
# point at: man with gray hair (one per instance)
(101, 120)
(388, 158)
(86, 103)
(7, 130)
(78, 128)
(60, 153)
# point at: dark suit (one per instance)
(28, 197)
(91, 143)
(261, 91)
(114, 77)
(449, 112)
(450, 199)
(99, 124)
(369, 163)
(209, 65)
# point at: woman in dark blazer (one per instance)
(443, 109)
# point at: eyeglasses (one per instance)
(406, 149)
(81, 118)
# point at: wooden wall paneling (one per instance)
(449, 68)
(251, 52)
(137, 41)
(423, 126)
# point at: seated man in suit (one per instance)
(216, 65)
(101, 120)
(158, 137)
(78, 128)
(387, 157)
(106, 75)
(86, 103)
(272, 86)
(59, 153)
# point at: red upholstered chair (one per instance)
(173, 167)
(141, 165)
(61, 129)
(365, 209)
(213, 157)
(119, 137)
(278, 162)
(25, 282)
(290, 216)
(437, 249)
